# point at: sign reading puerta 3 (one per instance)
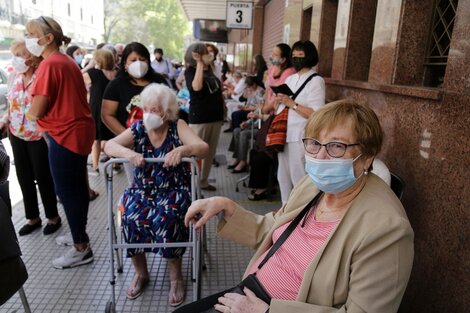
(239, 14)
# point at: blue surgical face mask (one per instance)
(332, 176)
(78, 58)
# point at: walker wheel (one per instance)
(110, 307)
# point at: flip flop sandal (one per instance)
(135, 290)
(173, 295)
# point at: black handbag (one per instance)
(206, 305)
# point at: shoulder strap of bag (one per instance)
(303, 85)
(290, 229)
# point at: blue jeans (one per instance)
(69, 173)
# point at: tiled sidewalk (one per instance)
(87, 288)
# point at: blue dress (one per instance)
(158, 199)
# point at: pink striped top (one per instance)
(282, 274)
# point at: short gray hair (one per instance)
(163, 96)
(111, 48)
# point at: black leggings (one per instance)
(32, 167)
(261, 169)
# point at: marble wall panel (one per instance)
(413, 36)
(325, 13)
(427, 143)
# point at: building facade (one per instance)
(81, 20)
(409, 61)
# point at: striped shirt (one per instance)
(282, 275)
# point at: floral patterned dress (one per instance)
(158, 199)
(19, 98)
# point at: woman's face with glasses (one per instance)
(337, 142)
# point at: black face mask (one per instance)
(298, 63)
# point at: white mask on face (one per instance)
(34, 47)
(138, 69)
(152, 121)
(19, 65)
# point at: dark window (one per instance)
(81, 14)
(33, 1)
(439, 42)
(92, 19)
(68, 8)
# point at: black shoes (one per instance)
(52, 228)
(258, 196)
(242, 170)
(49, 229)
(231, 167)
(209, 188)
(29, 228)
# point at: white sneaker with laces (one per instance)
(64, 240)
(73, 258)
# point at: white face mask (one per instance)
(138, 69)
(33, 47)
(19, 64)
(152, 121)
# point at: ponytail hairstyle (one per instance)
(47, 25)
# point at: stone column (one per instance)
(353, 40)
(384, 45)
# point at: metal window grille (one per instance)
(439, 43)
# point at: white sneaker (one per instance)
(73, 258)
(94, 173)
(64, 240)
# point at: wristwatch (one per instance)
(295, 107)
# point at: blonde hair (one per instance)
(17, 44)
(104, 58)
(366, 126)
(47, 25)
(159, 94)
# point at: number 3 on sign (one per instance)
(239, 14)
(239, 18)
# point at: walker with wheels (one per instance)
(194, 244)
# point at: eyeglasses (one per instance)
(334, 149)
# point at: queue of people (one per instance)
(122, 104)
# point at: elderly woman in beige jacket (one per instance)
(353, 252)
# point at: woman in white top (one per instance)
(304, 57)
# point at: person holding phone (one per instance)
(206, 105)
(304, 57)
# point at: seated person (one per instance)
(352, 250)
(233, 95)
(240, 144)
(253, 95)
(155, 204)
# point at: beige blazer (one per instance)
(364, 265)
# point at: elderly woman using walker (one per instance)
(159, 196)
(351, 249)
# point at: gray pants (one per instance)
(209, 132)
(240, 144)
